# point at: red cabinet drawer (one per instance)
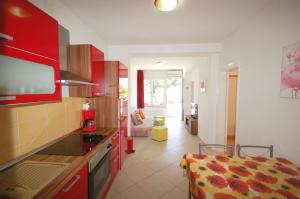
(115, 140)
(28, 28)
(114, 152)
(77, 187)
(114, 167)
(123, 139)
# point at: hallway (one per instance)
(153, 171)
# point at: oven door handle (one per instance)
(77, 177)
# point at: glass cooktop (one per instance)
(73, 145)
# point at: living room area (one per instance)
(164, 89)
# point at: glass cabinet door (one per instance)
(18, 76)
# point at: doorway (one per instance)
(232, 106)
(174, 97)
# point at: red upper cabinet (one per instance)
(29, 55)
(97, 75)
(28, 28)
(88, 62)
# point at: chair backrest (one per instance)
(240, 151)
(227, 149)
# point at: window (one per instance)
(123, 88)
(158, 84)
(173, 90)
(154, 92)
(147, 92)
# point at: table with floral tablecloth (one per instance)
(230, 177)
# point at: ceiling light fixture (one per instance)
(165, 5)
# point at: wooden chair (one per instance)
(225, 149)
(240, 151)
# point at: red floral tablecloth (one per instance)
(225, 177)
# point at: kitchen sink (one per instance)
(28, 178)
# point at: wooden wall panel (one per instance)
(111, 71)
(107, 106)
(106, 111)
(79, 62)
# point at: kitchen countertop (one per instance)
(75, 163)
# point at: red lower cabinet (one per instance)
(115, 166)
(77, 187)
(115, 156)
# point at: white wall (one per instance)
(207, 100)
(80, 33)
(125, 52)
(190, 89)
(263, 117)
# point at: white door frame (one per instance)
(228, 67)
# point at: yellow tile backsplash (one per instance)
(24, 128)
(32, 113)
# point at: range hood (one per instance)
(70, 79)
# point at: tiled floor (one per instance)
(153, 171)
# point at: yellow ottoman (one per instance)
(159, 120)
(159, 133)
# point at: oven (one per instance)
(99, 171)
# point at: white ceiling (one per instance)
(138, 22)
(185, 63)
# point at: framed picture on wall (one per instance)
(290, 71)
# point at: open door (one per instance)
(232, 105)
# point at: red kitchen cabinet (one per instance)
(115, 156)
(123, 139)
(77, 187)
(112, 109)
(123, 107)
(114, 164)
(97, 74)
(88, 62)
(28, 28)
(116, 88)
(29, 69)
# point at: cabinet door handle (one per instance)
(8, 37)
(72, 184)
(115, 136)
(4, 98)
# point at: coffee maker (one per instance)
(88, 120)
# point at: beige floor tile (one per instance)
(138, 172)
(153, 170)
(132, 159)
(131, 193)
(173, 173)
(156, 186)
(157, 165)
(176, 194)
(172, 156)
(184, 185)
(121, 183)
